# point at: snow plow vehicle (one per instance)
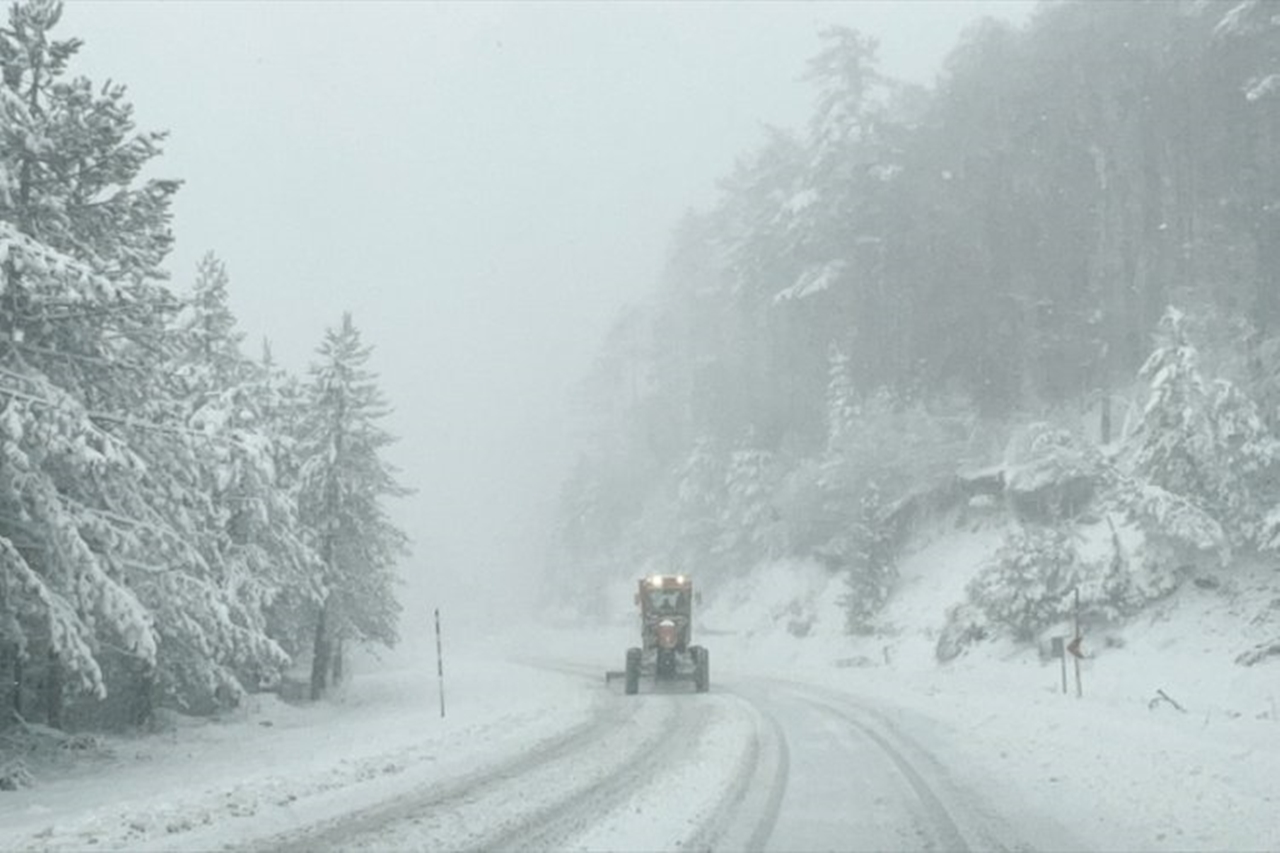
(665, 653)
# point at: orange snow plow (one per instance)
(665, 653)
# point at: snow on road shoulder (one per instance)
(1120, 768)
(277, 766)
(1118, 778)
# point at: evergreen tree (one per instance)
(281, 409)
(251, 539)
(868, 556)
(841, 401)
(80, 319)
(1247, 455)
(343, 483)
(700, 484)
(71, 161)
(207, 331)
(1175, 448)
(749, 528)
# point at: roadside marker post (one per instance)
(1060, 649)
(440, 663)
(1074, 647)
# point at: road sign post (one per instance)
(1060, 649)
(1074, 647)
(440, 662)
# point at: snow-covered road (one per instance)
(562, 788)
(538, 752)
(760, 764)
(862, 782)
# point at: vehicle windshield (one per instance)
(668, 600)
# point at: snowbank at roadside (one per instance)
(273, 766)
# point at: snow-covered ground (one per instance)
(805, 741)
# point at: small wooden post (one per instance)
(440, 662)
(1079, 687)
(1060, 649)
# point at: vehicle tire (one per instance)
(701, 669)
(633, 672)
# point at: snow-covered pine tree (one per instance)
(344, 482)
(853, 505)
(871, 567)
(252, 539)
(1026, 586)
(119, 483)
(80, 241)
(1176, 441)
(64, 552)
(71, 159)
(699, 495)
(281, 407)
(842, 406)
(1247, 456)
(1207, 444)
(749, 525)
(210, 344)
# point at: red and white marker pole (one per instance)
(440, 662)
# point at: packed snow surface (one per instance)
(805, 742)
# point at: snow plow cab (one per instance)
(665, 652)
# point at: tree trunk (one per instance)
(338, 662)
(53, 690)
(320, 653)
(1104, 429)
(1266, 301)
(9, 682)
(142, 702)
(17, 681)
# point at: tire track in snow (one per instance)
(942, 826)
(343, 830)
(578, 809)
(543, 793)
(958, 820)
(732, 809)
(745, 817)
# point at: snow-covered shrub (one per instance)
(14, 776)
(1165, 515)
(1027, 585)
(966, 624)
(1248, 456)
(1177, 534)
(1115, 565)
(1050, 474)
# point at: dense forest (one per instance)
(1050, 282)
(179, 521)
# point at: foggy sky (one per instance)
(483, 186)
